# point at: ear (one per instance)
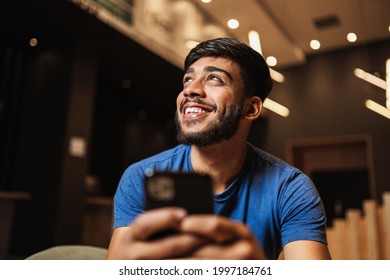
(253, 106)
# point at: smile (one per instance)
(194, 110)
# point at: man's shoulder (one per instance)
(178, 150)
(269, 161)
(277, 173)
(168, 160)
(267, 158)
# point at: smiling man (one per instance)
(262, 204)
(195, 112)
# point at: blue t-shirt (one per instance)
(276, 201)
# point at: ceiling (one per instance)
(286, 27)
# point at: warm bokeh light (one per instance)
(351, 37)
(276, 107)
(276, 76)
(271, 61)
(368, 77)
(315, 44)
(33, 42)
(377, 108)
(206, 1)
(233, 23)
(254, 41)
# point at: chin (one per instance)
(191, 128)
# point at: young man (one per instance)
(262, 204)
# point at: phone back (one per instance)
(187, 190)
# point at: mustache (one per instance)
(199, 101)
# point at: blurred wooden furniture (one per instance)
(7, 208)
(339, 166)
(362, 235)
(98, 221)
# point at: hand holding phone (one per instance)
(190, 191)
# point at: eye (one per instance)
(214, 78)
(187, 79)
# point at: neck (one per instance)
(222, 161)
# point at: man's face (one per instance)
(209, 108)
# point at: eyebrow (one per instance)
(212, 69)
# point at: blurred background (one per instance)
(88, 87)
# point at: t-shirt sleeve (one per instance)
(129, 197)
(302, 212)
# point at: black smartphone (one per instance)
(187, 190)
(190, 191)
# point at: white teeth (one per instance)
(194, 110)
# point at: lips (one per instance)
(189, 110)
(194, 110)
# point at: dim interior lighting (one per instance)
(276, 107)
(254, 41)
(382, 110)
(33, 42)
(276, 76)
(372, 79)
(315, 44)
(377, 108)
(351, 37)
(271, 61)
(233, 23)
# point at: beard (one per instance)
(223, 128)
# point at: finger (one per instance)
(157, 220)
(240, 250)
(174, 246)
(219, 229)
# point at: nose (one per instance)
(195, 88)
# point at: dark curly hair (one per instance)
(254, 70)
